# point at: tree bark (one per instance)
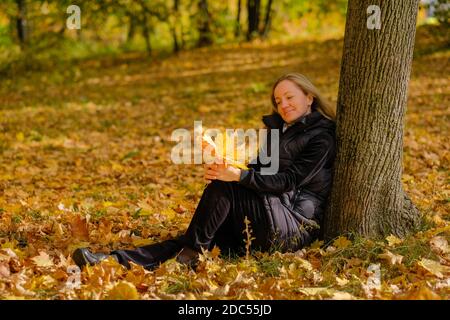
(267, 21)
(253, 7)
(367, 196)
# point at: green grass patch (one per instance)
(270, 266)
(179, 285)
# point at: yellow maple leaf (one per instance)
(305, 264)
(164, 234)
(393, 240)
(107, 204)
(79, 227)
(205, 108)
(341, 295)
(8, 244)
(117, 166)
(220, 151)
(43, 260)
(145, 209)
(317, 244)
(6, 177)
(341, 242)
(313, 291)
(215, 252)
(20, 136)
(391, 258)
(124, 290)
(43, 282)
(439, 245)
(434, 267)
(12, 297)
(435, 231)
(341, 281)
(168, 213)
(421, 293)
(174, 233)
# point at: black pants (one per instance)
(218, 220)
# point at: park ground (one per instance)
(85, 161)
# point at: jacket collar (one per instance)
(274, 120)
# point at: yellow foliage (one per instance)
(124, 290)
(96, 172)
(341, 242)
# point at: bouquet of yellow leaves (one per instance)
(225, 155)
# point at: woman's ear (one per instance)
(309, 98)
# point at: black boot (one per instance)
(82, 257)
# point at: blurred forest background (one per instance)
(85, 123)
(33, 33)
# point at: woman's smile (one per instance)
(291, 101)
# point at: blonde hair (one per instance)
(319, 102)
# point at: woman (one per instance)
(285, 209)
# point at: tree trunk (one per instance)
(204, 29)
(267, 21)
(182, 36)
(237, 29)
(22, 28)
(131, 28)
(367, 196)
(176, 46)
(146, 34)
(253, 7)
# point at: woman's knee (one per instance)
(218, 186)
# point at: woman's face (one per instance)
(291, 102)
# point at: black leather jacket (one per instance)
(303, 182)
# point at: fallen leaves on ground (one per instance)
(87, 164)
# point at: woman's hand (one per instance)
(222, 172)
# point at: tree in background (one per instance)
(149, 12)
(27, 24)
(368, 196)
(35, 32)
(174, 24)
(440, 9)
(22, 22)
(237, 28)
(204, 24)
(253, 10)
(267, 21)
